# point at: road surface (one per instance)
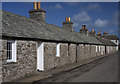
(101, 70)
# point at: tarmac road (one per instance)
(101, 70)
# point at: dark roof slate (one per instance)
(105, 41)
(18, 26)
(111, 37)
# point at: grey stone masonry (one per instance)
(80, 52)
(26, 61)
(72, 53)
(50, 59)
(68, 25)
(26, 64)
(98, 50)
(87, 51)
(67, 55)
(107, 49)
(93, 50)
(63, 54)
(38, 15)
(0, 61)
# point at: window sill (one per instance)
(10, 61)
(57, 56)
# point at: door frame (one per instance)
(40, 56)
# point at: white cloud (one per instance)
(72, 3)
(101, 23)
(92, 7)
(76, 25)
(95, 7)
(115, 19)
(111, 31)
(81, 17)
(57, 6)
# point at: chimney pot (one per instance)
(105, 33)
(39, 5)
(68, 19)
(35, 5)
(93, 30)
(99, 33)
(83, 26)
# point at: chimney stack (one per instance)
(83, 27)
(105, 33)
(68, 24)
(93, 33)
(99, 33)
(84, 30)
(37, 13)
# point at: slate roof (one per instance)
(111, 37)
(105, 41)
(18, 26)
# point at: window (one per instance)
(11, 51)
(96, 48)
(99, 48)
(58, 49)
(68, 49)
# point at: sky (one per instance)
(100, 16)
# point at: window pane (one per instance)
(9, 50)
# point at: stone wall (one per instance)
(67, 55)
(107, 49)
(98, 50)
(72, 53)
(63, 54)
(87, 51)
(26, 61)
(26, 64)
(80, 52)
(102, 50)
(93, 51)
(50, 59)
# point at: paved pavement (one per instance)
(100, 70)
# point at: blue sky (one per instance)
(99, 16)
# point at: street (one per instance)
(101, 70)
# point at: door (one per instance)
(40, 56)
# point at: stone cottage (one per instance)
(30, 45)
(112, 38)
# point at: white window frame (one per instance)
(108, 49)
(96, 48)
(58, 50)
(102, 49)
(99, 48)
(14, 52)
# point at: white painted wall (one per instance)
(102, 49)
(116, 42)
(99, 48)
(40, 56)
(96, 48)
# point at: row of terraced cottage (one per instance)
(30, 45)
